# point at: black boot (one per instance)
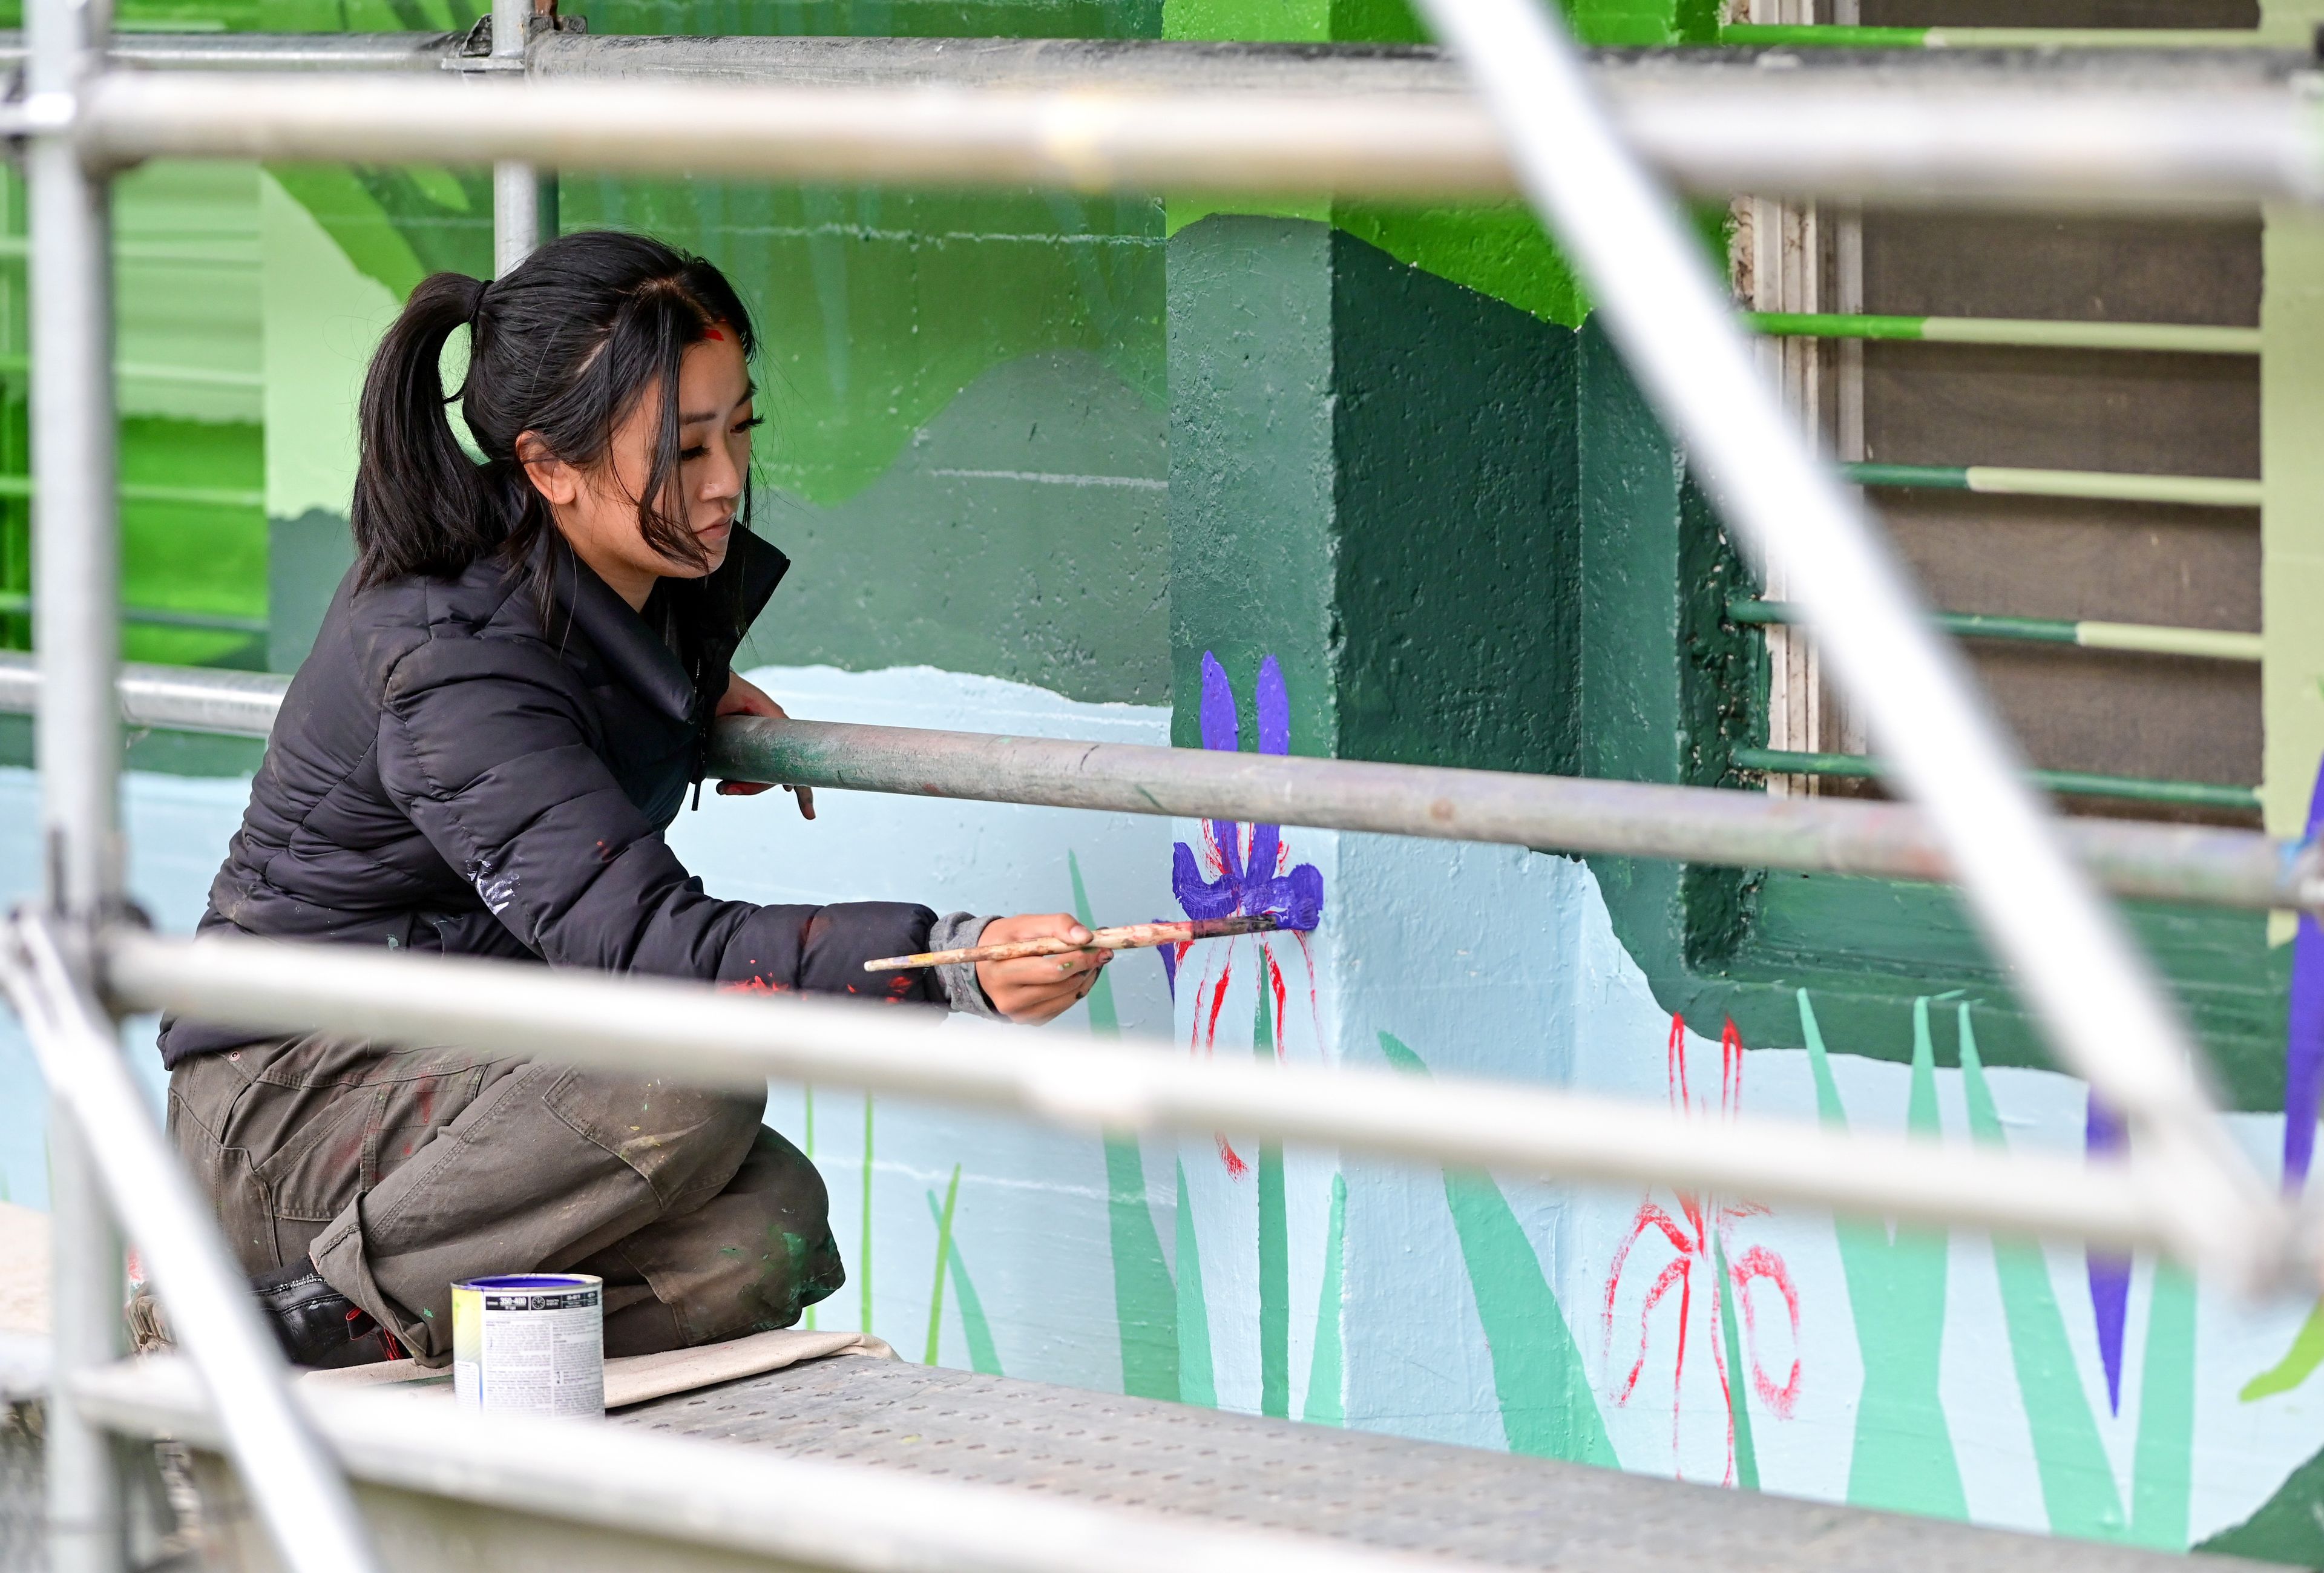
(318, 1327)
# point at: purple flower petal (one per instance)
(2109, 1276)
(2303, 1038)
(1222, 728)
(1274, 709)
(1200, 897)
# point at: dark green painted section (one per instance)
(1468, 542)
(2288, 1527)
(1370, 482)
(1252, 492)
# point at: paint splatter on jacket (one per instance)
(485, 764)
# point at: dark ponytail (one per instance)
(421, 505)
(567, 346)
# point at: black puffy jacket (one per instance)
(474, 766)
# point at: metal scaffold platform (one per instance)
(1315, 1496)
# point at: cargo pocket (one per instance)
(684, 1143)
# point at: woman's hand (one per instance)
(747, 698)
(1034, 989)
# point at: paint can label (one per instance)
(530, 1343)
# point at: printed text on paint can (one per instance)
(530, 1350)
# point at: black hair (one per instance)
(566, 346)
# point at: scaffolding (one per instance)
(2204, 129)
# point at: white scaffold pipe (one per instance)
(2098, 1001)
(2205, 146)
(2199, 865)
(76, 732)
(516, 187)
(775, 1508)
(300, 1496)
(697, 1033)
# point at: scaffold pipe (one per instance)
(2074, 783)
(2023, 332)
(2207, 144)
(1829, 35)
(2089, 633)
(696, 1033)
(2197, 864)
(299, 1493)
(2102, 486)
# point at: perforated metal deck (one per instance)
(1381, 1491)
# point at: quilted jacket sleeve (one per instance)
(487, 745)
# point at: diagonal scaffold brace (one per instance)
(301, 1494)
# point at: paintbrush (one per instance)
(1129, 937)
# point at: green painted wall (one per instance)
(1371, 481)
(1498, 249)
(964, 392)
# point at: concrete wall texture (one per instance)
(1344, 482)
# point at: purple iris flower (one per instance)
(1248, 884)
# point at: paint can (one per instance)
(530, 1343)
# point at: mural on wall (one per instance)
(968, 399)
(1939, 1373)
(1697, 1230)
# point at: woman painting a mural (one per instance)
(508, 703)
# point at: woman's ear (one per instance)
(558, 482)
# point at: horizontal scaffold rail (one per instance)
(2072, 783)
(696, 1033)
(2088, 633)
(2108, 126)
(1829, 35)
(2099, 486)
(2022, 332)
(2170, 863)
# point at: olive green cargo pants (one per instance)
(398, 1172)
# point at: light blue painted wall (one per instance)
(1484, 961)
